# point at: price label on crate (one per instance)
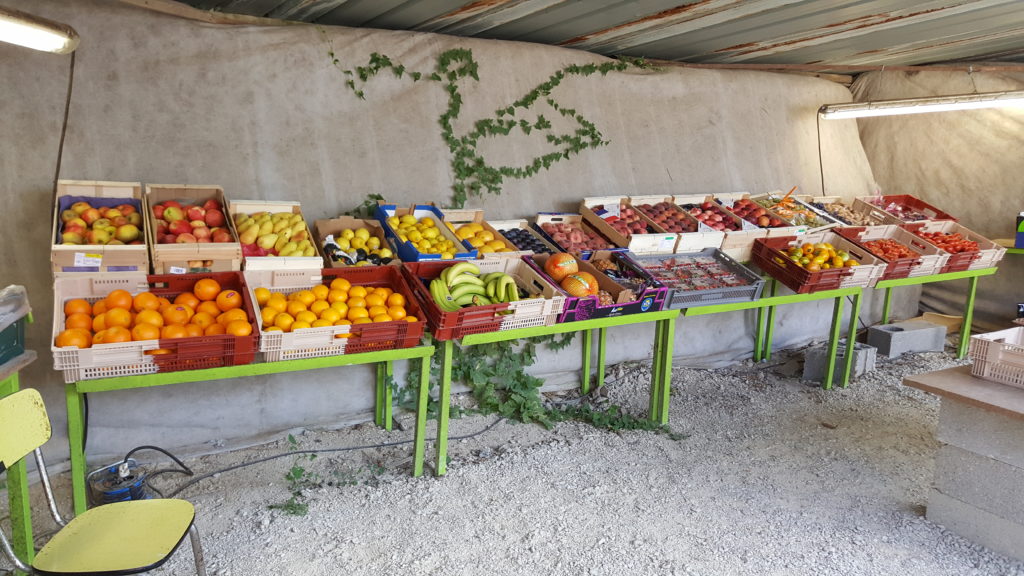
(83, 260)
(176, 270)
(667, 244)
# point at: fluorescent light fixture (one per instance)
(36, 33)
(922, 105)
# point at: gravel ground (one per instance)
(771, 476)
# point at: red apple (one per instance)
(203, 240)
(79, 207)
(201, 232)
(185, 239)
(212, 204)
(161, 227)
(90, 215)
(158, 211)
(76, 222)
(172, 203)
(221, 235)
(111, 213)
(119, 221)
(125, 209)
(214, 217)
(179, 227)
(195, 213)
(168, 239)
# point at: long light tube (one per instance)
(922, 105)
(36, 33)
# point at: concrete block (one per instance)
(992, 434)
(982, 482)
(815, 360)
(899, 337)
(977, 525)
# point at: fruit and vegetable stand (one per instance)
(75, 390)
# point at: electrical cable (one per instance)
(202, 477)
(64, 126)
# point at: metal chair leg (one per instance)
(197, 550)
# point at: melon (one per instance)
(578, 285)
(560, 265)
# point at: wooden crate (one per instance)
(522, 224)
(738, 244)
(790, 229)
(93, 258)
(703, 237)
(457, 217)
(191, 257)
(658, 242)
(276, 262)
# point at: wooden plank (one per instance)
(958, 384)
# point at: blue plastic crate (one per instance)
(406, 251)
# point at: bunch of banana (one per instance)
(462, 285)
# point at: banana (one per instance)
(513, 292)
(491, 276)
(441, 296)
(464, 279)
(466, 289)
(481, 301)
(462, 268)
(489, 289)
(467, 300)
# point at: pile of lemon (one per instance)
(482, 239)
(361, 239)
(424, 235)
(337, 304)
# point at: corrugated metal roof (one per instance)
(838, 32)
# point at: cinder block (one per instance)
(815, 360)
(992, 434)
(899, 337)
(977, 525)
(980, 481)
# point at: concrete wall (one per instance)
(262, 112)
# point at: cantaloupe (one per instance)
(579, 285)
(560, 265)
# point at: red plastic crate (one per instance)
(769, 255)
(929, 260)
(335, 340)
(137, 357)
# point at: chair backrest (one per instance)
(24, 425)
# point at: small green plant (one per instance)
(299, 480)
(367, 208)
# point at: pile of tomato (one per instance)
(889, 249)
(953, 243)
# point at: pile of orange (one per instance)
(120, 317)
(337, 304)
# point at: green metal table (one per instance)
(17, 479)
(661, 373)
(972, 287)
(73, 395)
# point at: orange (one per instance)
(298, 325)
(340, 307)
(99, 323)
(177, 314)
(145, 331)
(382, 318)
(321, 323)
(272, 329)
(158, 351)
(383, 292)
(149, 317)
(262, 295)
(213, 330)
(277, 302)
(340, 284)
(331, 315)
(77, 306)
(206, 289)
(209, 307)
(305, 296)
(98, 337)
(231, 315)
(229, 299)
(163, 302)
(320, 291)
(376, 310)
(267, 315)
(356, 302)
(119, 299)
(117, 334)
(375, 300)
(202, 319)
(120, 317)
(362, 321)
(357, 314)
(396, 312)
(396, 299)
(294, 307)
(194, 330)
(238, 328)
(174, 331)
(74, 337)
(187, 299)
(99, 307)
(306, 316)
(411, 319)
(319, 306)
(79, 320)
(284, 321)
(357, 291)
(336, 296)
(145, 301)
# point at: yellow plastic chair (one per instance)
(119, 538)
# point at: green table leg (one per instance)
(886, 305)
(76, 432)
(851, 340)
(766, 354)
(667, 348)
(389, 373)
(758, 334)
(17, 495)
(965, 330)
(602, 334)
(444, 403)
(588, 338)
(654, 406)
(833, 343)
(422, 402)
(378, 402)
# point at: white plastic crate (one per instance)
(999, 356)
(528, 312)
(305, 342)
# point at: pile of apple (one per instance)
(190, 224)
(627, 223)
(573, 238)
(713, 215)
(756, 214)
(669, 216)
(83, 224)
